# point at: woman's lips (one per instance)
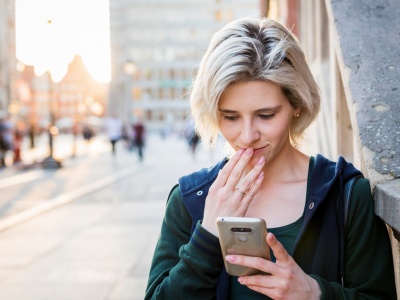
(257, 150)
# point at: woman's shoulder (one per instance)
(362, 186)
(175, 192)
(361, 202)
(362, 191)
(175, 207)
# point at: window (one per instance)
(137, 93)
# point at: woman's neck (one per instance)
(289, 166)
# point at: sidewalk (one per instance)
(65, 146)
(99, 244)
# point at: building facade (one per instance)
(156, 47)
(7, 53)
(77, 98)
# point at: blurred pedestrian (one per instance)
(87, 133)
(194, 142)
(3, 145)
(192, 137)
(75, 131)
(127, 137)
(114, 131)
(6, 138)
(32, 133)
(19, 134)
(139, 137)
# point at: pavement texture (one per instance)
(89, 229)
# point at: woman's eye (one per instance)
(230, 118)
(266, 117)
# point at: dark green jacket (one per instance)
(188, 263)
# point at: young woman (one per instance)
(255, 88)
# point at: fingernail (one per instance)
(230, 258)
(261, 176)
(249, 151)
(240, 152)
(261, 160)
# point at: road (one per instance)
(88, 230)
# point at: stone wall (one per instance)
(354, 50)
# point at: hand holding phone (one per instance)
(242, 236)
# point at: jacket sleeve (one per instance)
(184, 266)
(369, 272)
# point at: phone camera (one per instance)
(241, 229)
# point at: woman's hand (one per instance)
(228, 196)
(286, 280)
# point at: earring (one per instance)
(297, 115)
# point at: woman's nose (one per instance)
(249, 134)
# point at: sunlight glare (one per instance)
(49, 33)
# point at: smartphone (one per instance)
(244, 236)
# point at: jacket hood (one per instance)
(326, 173)
(197, 180)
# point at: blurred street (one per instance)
(88, 230)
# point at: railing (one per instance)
(353, 49)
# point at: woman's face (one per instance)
(256, 114)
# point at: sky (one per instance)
(49, 33)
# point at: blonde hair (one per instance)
(251, 49)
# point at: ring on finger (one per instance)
(240, 191)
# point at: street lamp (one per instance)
(50, 162)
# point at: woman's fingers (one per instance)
(258, 263)
(262, 264)
(249, 195)
(226, 171)
(250, 184)
(280, 252)
(237, 171)
(231, 174)
(286, 280)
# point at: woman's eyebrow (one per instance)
(267, 109)
(264, 109)
(227, 111)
